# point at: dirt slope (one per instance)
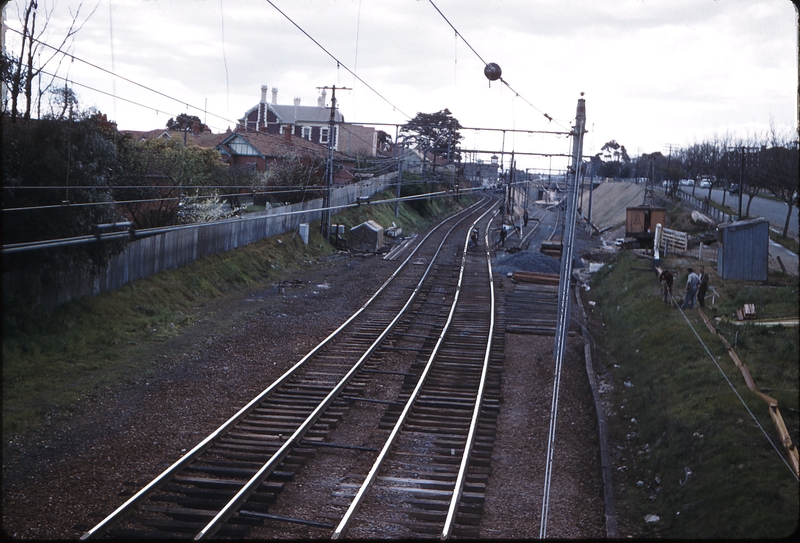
(609, 201)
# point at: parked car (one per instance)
(705, 184)
(734, 189)
(686, 182)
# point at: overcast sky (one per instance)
(653, 72)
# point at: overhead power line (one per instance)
(339, 63)
(73, 57)
(518, 95)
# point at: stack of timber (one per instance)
(748, 312)
(532, 308)
(536, 277)
(551, 248)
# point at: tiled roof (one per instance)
(277, 146)
(203, 139)
(299, 114)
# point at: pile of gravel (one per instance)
(527, 260)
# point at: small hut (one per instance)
(743, 252)
(641, 221)
(367, 237)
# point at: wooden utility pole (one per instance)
(325, 223)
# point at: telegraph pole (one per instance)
(325, 223)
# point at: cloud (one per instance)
(653, 71)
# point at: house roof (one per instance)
(300, 114)
(291, 114)
(202, 139)
(278, 146)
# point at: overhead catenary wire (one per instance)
(548, 117)
(117, 97)
(157, 110)
(60, 242)
(339, 63)
(113, 74)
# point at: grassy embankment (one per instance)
(674, 413)
(51, 361)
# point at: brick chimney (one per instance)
(196, 129)
(274, 95)
(287, 132)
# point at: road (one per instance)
(772, 210)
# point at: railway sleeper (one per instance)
(226, 495)
(276, 475)
(432, 484)
(267, 486)
(196, 515)
(444, 505)
(431, 516)
(197, 503)
(288, 463)
(272, 427)
(422, 493)
(129, 534)
(473, 478)
(163, 528)
(269, 408)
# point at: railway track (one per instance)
(226, 484)
(430, 477)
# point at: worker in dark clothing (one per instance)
(473, 239)
(667, 279)
(502, 236)
(703, 288)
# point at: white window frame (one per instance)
(307, 133)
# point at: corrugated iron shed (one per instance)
(743, 252)
(366, 237)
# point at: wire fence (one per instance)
(705, 207)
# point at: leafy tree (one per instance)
(612, 161)
(59, 172)
(286, 175)
(185, 122)
(158, 173)
(437, 133)
(614, 151)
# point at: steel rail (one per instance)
(341, 529)
(462, 470)
(116, 516)
(230, 508)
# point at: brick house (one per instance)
(259, 151)
(311, 123)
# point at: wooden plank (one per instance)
(785, 438)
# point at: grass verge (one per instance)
(687, 450)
